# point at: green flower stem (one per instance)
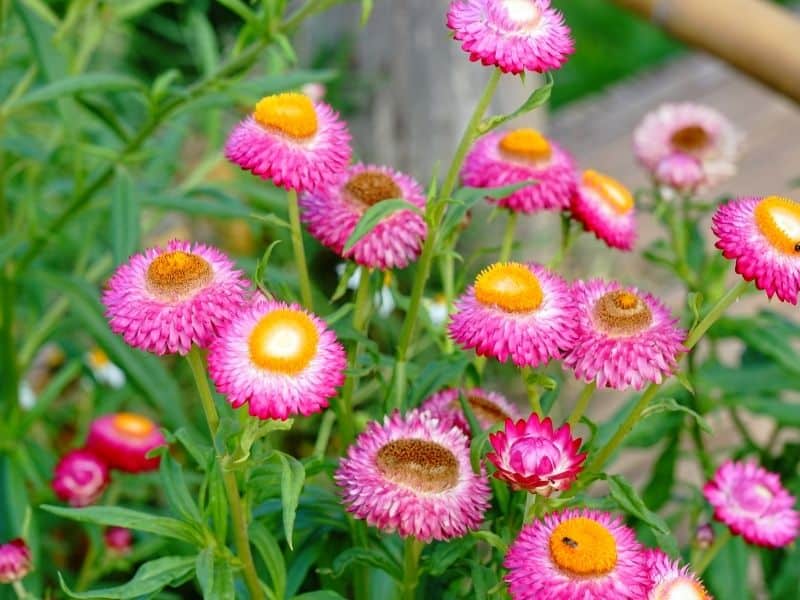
(567, 239)
(21, 592)
(238, 517)
(448, 286)
(706, 557)
(582, 403)
(508, 236)
(532, 389)
(299, 251)
(412, 549)
(715, 313)
(434, 217)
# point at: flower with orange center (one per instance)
(103, 369)
(576, 554)
(291, 140)
(518, 311)
(671, 581)
(490, 408)
(124, 440)
(605, 207)
(763, 236)
(278, 359)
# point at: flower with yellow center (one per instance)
(133, 425)
(292, 114)
(103, 369)
(582, 546)
(284, 341)
(605, 207)
(778, 219)
(526, 144)
(513, 287)
(123, 440)
(671, 581)
(616, 195)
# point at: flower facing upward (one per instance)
(517, 311)
(294, 142)
(763, 236)
(570, 554)
(514, 35)
(413, 475)
(80, 478)
(278, 359)
(15, 561)
(531, 456)
(669, 580)
(489, 408)
(165, 300)
(605, 207)
(753, 503)
(124, 440)
(625, 338)
(332, 212)
(524, 155)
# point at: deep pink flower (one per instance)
(118, 540)
(489, 408)
(124, 440)
(80, 478)
(669, 580)
(605, 207)
(680, 171)
(15, 561)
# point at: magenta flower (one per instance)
(80, 478)
(605, 207)
(489, 408)
(124, 440)
(15, 561)
(118, 540)
(669, 580)
(680, 171)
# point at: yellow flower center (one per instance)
(284, 341)
(370, 187)
(178, 273)
(526, 144)
(133, 425)
(98, 358)
(291, 113)
(681, 588)
(621, 314)
(510, 286)
(615, 195)
(779, 220)
(483, 408)
(419, 464)
(583, 547)
(692, 139)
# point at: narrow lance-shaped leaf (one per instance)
(374, 215)
(293, 476)
(536, 99)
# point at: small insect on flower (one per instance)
(124, 439)
(15, 561)
(80, 478)
(605, 207)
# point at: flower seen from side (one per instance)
(80, 478)
(15, 561)
(490, 408)
(671, 581)
(124, 439)
(605, 207)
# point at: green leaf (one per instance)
(240, 8)
(293, 476)
(217, 502)
(630, 502)
(204, 206)
(150, 578)
(52, 62)
(178, 496)
(320, 595)
(272, 556)
(203, 42)
(672, 405)
(444, 555)
(536, 99)
(124, 220)
(214, 576)
(695, 301)
(726, 576)
(50, 394)
(494, 540)
(366, 11)
(466, 197)
(657, 491)
(369, 557)
(374, 215)
(436, 375)
(261, 268)
(786, 413)
(76, 84)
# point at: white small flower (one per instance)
(355, 278)
(27, 397)
(104, 370)
(314, 90)
(384, 302)
(437, 310)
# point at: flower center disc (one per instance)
(615, 195)
(779, 220)
(178, 274)
(522, 12)
(526, 144)
(291, 113)
(582, 546)
(371, 187)
(692, 139)
(483, 408)
(681, 588)
(510, 286)
(284, 341)
(419, 464)
(622, 313)
(133, 425)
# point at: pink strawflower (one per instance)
(332, 212)
(15, 561)
(514, 35)
(489, 408)
(413, 475)
(576, 554)
(516, 311)
(118, 540)
(80, 478)
(124, 439)
(605, 207)
(531, 456)
(753, 503)
(296, 143)
(763, 236)
(500, 159)
(671, 133)
(279, 359)
(625, 338)
(166, 300)
(669, 580)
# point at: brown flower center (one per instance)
(692, 139)
(419, 464)
(484, 409)
(178, 273)
(621, 314)
(371, 187)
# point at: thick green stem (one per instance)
(705, 559)
(412, 549)
(300, 264)
(508, 236)
(582, 403)
(715, 313)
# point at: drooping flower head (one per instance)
(531, 456)
(752, 502)
(524, 155)
(669, 580)
(118, 540)
(517, 311)
(278, 359)
(413, 475)
(687, 145)
(625, 338)
(124, 440)
(80, 478)
(166, 300)
(763, 236)
(294, 142)
(576, 553)
(332, 212)
(15, 561)
(605, 207)
(490, 408)
(513, 35)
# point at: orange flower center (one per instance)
(97, 358)
(284, 341)
(582, 546)
(419, 464)
(692, 139)
(510, 286)
(370, 187)
(680, 588)
(178, 273)
(526, 144)
(483, 408)
(779, 220)
(621, 314)
(615, 195)
(133, 425)
(291, 113)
